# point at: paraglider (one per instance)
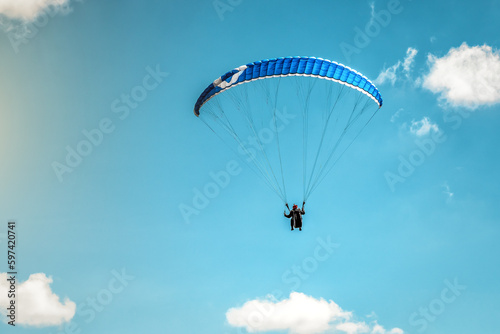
(266, 107)
(295, 216)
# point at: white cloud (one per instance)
(21, 19)
(409, 59)
(353, 327)
(38, 305)
(423, 127)
(465, 76)
(29, 10)
(372, 12)
(299, 314)
(447, 191)
(396, 115)
(377, 329)
(394, 72)
(388, 74)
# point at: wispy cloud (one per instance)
(408, 61)
(423, 127)
(396, 115)
(394, 72)
(40, 306)
(372, 12)
(447, 191)
(466, 76)
(388, 74)
(299, 314)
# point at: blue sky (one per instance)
(104, 245)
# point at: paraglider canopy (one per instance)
(289, 66)
(289, 116)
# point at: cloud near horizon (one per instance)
(467, 76)
(299, 314)
(37, 305)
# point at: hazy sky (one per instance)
(102, 154)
